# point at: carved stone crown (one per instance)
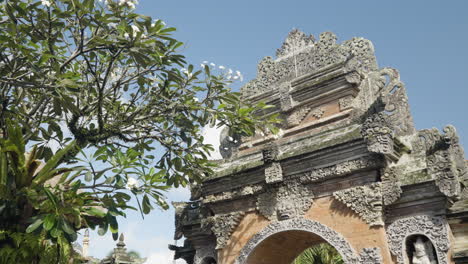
(301, 54)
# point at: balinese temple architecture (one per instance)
(348, 168)
(118, 256)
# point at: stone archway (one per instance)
(301, 229)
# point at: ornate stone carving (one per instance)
(423, 252)
(270, 153)
(445, 158)
(228, 144)
(179, 218)
(286, 100)
(329, 235)
(318, 113)
(377, 133)
(345, 102)
(365, 200)
(395, 102)
(434, 228)
(295, 41)
(370, 256)
(339, 169)
(310, 56)
(273, 172)
(288, 200)
(391, 189)
(233, 194)
(296, 117)
(207, 251)
(222, 226)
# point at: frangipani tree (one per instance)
(108, 88)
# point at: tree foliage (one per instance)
(322, 253)
(107, 88)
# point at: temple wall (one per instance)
(325, 210)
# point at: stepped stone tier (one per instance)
(347, 168)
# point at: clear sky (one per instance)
(425, 40)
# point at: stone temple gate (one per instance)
(348, 168)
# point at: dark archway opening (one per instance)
(284, 247)
(209, 260)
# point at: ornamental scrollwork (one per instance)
(285, 201)
(294, 42)
(332, 237)
(339, 169)
(444, 157)
(378, 134)
(222, 226)
(391, 187)
(364, 200)
(370, 256)
(300, 55)
(434, 228)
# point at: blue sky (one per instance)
(425, 40)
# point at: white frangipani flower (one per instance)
(221, 67)
(131, 183)
(129, 3)
(195, 99)
(46, 3)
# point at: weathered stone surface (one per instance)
(434, 228)
(285, 201)
(300, 55)
(366, 201)
(347, 152)
(223, 225)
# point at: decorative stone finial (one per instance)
(294, 42)
(121, 243)
(300, 55)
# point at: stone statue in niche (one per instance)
(423, 252)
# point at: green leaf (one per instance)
(146, 205)
(54, 161)
(49, 222)
(93, 211)
(67, 228)
(34, 226)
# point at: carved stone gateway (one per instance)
(348, 169)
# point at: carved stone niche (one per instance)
(435, 229)
(365, 200)
(445, 158)
(285, 201)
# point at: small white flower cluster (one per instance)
(130, 3)
(189, 74)
(229, 73)
(46, 3)
(132, 183)
(156, 20)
